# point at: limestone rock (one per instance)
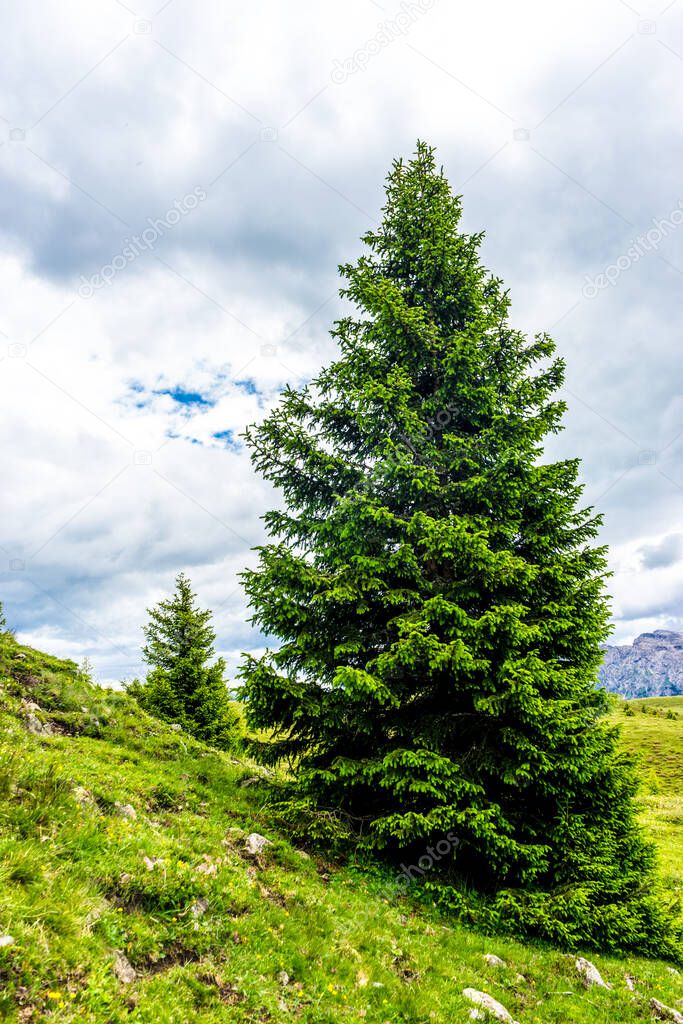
(662, 1012)
(38, 728)
(485, 1004)
(126, 811)
(651, 667)
(123, 970)
(590, 974)
(255, 844)
(6, 940)
(199, 907)
(494, 961)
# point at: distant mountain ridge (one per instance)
(650, 667)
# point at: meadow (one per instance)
(130, 891)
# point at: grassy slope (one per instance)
(658, 741)
(75, 887)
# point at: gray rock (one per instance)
(123, 970)
(494, 961)
(590, 974)
(283, 978)
(486, 1005)
(38, 728)
(83, 797)
(126, 811)
(6, 940)
(662, 1012)
(255, 844)
(199, 907)
(651, 667)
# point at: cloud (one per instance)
(667, 552)
(122, 409)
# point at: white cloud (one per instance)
(120, 122)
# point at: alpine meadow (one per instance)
(439, 598)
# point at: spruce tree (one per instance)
(182, 687)
(439, 595)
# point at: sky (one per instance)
(178, 183)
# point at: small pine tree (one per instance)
(440, 598)
(181, 687)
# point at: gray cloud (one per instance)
(121, 122)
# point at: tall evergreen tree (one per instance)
(182, 687)
(439, 595)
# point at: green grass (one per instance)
(79, 881)
(658, 742)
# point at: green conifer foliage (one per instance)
(438, 594)
(181, 686)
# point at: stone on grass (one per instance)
(123, 969)
(38, 728)
(283, 978)
(126, 811)
(486, 1005)
(6, 940)
(83, 797)
(662, 1012)
(494, 961)
(199, 907)
(255, 844)
(590, 974)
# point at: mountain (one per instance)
(650, 667)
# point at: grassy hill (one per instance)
(130, 895)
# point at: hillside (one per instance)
(128, 891)
(650, 667)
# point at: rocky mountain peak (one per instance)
(652, 666)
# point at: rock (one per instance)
(151, 862)
(126, 811)
(663, 1012)
(177, 727)
(253, 780)
(255, 844)
(590, 974)
(207, 867)
(199, 907)
(6, 940)
(124, 877)
(123, 970)
(651, 667)
(30, 705)
(83, 797)
(486, 1005)
(494, 961)
(630, 982)
(18, 656)
(38, 728)
(283, 978)
(672, 970)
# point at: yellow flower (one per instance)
(53, 995)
